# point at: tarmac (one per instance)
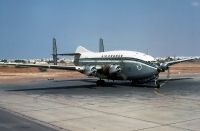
(13, 122)
(78, 105)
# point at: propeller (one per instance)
(163, 67)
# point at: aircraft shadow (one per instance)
(84, 80)
(93, 86)
(94, 80)
(173, 79)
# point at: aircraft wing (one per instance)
(164, 66)
(59, 67)
(177, 61)
(45, 66)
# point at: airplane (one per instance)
(135, 66)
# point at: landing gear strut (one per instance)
(100, 82)
(133, 82)
(153, 83)
(157, 84)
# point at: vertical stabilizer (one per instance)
(55, 55)
(101, 46)
(81, 49)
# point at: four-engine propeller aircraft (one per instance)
(113, 65)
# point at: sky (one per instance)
(161, 27)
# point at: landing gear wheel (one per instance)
(100, 83)
(157, 84)
(134, 83)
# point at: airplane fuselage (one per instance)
(134, 65)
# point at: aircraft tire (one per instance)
(134, 83)
(100, 82)
(157, 84)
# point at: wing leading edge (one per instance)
(45, 66)
(165, 66)
(177, 61)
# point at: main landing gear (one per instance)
(100, 83)
(153, 83)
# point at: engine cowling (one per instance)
(163, 67)
(114, 69)
(90, 70)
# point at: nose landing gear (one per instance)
(157, 84)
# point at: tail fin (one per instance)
(55, 54)
(81, 49)
(77, 54)
(101, 46)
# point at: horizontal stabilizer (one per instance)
(69, 54)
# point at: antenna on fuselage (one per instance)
(101, 46)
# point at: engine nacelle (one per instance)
(163, 67)
(90, 70)
(114, 69)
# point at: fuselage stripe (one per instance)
(117, 60)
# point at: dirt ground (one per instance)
(9, 74)
(186, 67)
